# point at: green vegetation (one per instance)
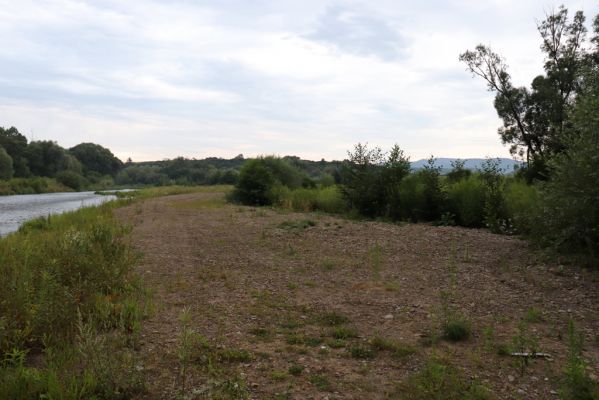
(551, 199)
(70, 299)
(396, 349)
(438, 380)
(576, 383)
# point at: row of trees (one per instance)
(84, 163)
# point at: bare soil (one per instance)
(253, 283)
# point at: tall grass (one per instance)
(31, 186)
(69, 297)
(325, 199)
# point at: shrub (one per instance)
(440, 381)
(569, 213)
(495, 212)
(71, 179)
(522, 203)
(265, 180)
(466, 200)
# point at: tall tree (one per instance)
(96, 159)
(535, 119)
(46, 158)
(6, 169)
(15, 145)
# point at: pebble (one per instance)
(511, 378)
(388, 316)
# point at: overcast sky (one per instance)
(158, 79)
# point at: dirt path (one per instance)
(269, 294)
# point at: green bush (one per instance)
(522, 204)
(569, 214)
(71, 179)
(326, 199)
(466, 200)
(421, 197)
(264, 181)
(68, 288)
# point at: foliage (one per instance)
(68, 289)
(6, 165)
(438, 380)
(71, 179)
(569, 214)
(31, 186)
(535, 120)
(96, 159)
(15, 145)
(466, 200)
(522, 203)
(576, 383)
(263, 180)
(326, 199)
(495, 209)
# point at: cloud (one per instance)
(359, 33)
(154, 79)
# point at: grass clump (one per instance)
(397, 349)
(321, 382)
(344, 333)
(576, 383)
(332, 318)
(456, 328)
(440, 381)
(297, 226)
(533, 315)
(362, 351)
(234, 355)
(296, 369)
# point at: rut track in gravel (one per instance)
(270, 290)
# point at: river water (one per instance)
(14, 210)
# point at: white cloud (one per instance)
(151, 79)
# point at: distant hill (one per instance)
(506, 164)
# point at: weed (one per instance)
(344, 333)
(454, 326)
(297, 226)
(362, 351)
(279, 375)
(332, 318)
(336, 343)
(576, 383)
(533, 315)
(440, 381)
(522, 342)
(262, 333)
(234, 355)
(321, 382)
(328, 265)
(397, 349)
(456, 329)
(296, 369)
(376, 261)
(392, 286)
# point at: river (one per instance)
(15, 210)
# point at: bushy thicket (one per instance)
(265, 180)
(68, 291)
